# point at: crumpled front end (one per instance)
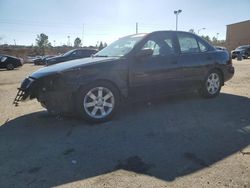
(25, 91)
(51, 91)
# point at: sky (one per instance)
(107, 20)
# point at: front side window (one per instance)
(76, 53)
(188, 43)
(161, 46)
(68, 53)
(150, 44)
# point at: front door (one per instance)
(159, 73)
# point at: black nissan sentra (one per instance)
(135, 66)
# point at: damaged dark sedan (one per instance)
(135, 66)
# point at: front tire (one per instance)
(211, 86)
(10, 66)
(98, 102)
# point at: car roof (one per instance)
(161, 31)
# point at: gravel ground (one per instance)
(178, 141)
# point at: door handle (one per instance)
(174, 62)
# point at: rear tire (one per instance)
(98, 102)
(211, 86)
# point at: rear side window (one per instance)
(83, 53)
(203, 46)
(188, 43)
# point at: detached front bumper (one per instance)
(25, 91)
(55, 99)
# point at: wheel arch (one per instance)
(123, 92)
(221, 73)
(82, 113)
(12, 66)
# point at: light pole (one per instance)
(177, 12)
(217, 35)
(136, 27)
(201, 29)
(68, 41)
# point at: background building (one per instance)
(238, 34)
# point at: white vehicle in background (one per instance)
(30, 59)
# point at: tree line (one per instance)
(42, 42)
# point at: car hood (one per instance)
(79, 63)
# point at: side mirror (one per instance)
(145, 53)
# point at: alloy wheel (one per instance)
(213, 83)
(99, 102)
(10, 66)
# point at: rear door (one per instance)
(195, 59)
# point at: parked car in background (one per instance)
(243, 50)
(42, 60)
(9, 62)
(136, 66)
(30, 59)
(71, 55)
(22, 60)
